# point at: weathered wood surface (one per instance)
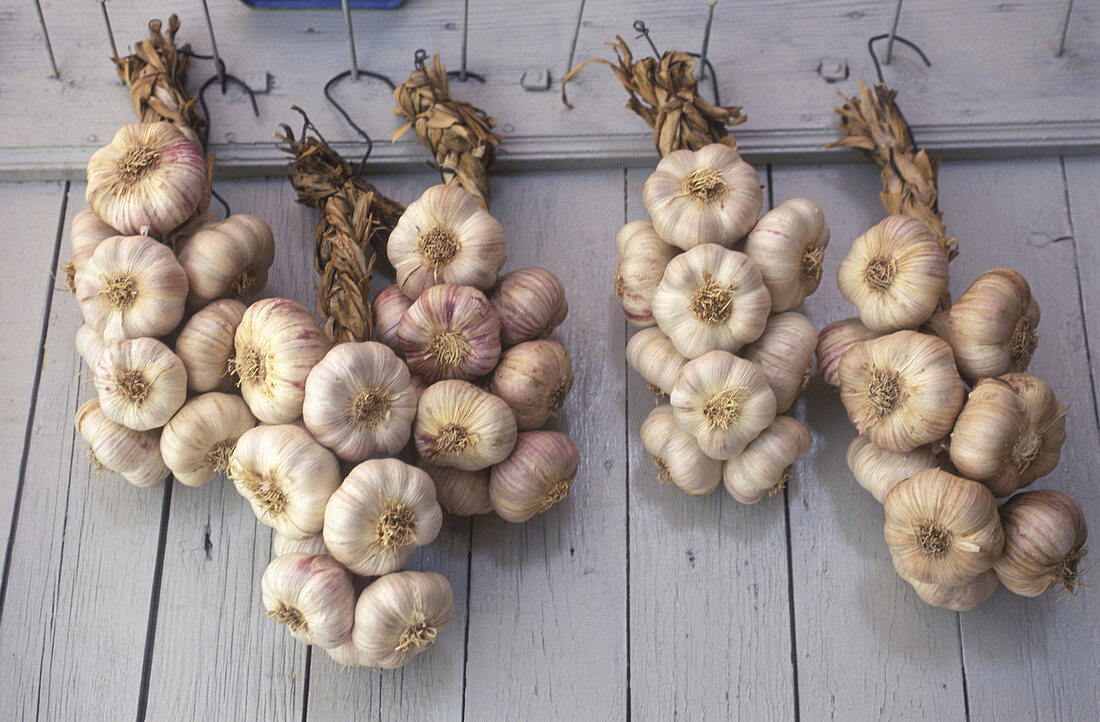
(996, 86)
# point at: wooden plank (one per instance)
(867, 646)
(1083, 194)
(710, 629)
(83, 557)
(548, 597)
(965, 104)
(1033, 658)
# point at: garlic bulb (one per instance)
(878, 470)
(705, 196)
(942, 528)
(711, 298)
(724, 402)
(460, 426)
(834, 341)
(282, 544)
(1009, 433)
(382, 512)
(286, 476)
(399, 616)
(389, 306)
(131, 286)
(1045, 534)
(133, 454)
(359, 401)
(462, 493)
(651, 353)
(347, 655)
(788, 246)
(450, 332)
(785, 351)
(197, 442)
(446, 236)
(86, 232)
(765, 466)
(278, 342)
(537, 475)
(205, 345)
(150, 175)
(140, 382)
(992, 327)
(228, 259)
(312, 595)
(902, 390)
(962, 598)
(895, 274)
(643, 257)
(89, 345)
(533, 378)
(531, 303)
(677, 455)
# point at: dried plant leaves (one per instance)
(873, 123)
(664, 92)
(459, 135)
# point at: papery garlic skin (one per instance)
(140, 383)
(132, 286)
(834, 341)
(347, 655)
(282, 544)
(533, 378)
(652, 354)
(1009, 433)
(531, 303)
(962, 598)
(704, 196)
(197, 443)
(942, 528)
(312, 596)
(765, 466)
(277, 343)
(677, 455)
(902, 390)
(895, 274)
(133, 454)
(711, 298)
(878, 470)
(286, 476)
(1045, 535)
(399, 616)
(460, 426)
(724, 402)
(86, 232)
(150, 175)
(462, 493)
(389, 306)
(382, 512)
(643, 258)
(785, 352)
(89, 345)
(788, 246)
(450, 332)
(359, 401)
(538, 474)
(228, 259)
(205, 344)
(446, 236)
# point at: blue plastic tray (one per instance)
(290, 4)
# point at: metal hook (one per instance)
(110, 32)
(462, 74)
(893, 33)
(1065, 29)
(700, 70)
(643, 32)
(340, 109)
(46, 38)
(219, 68)
(222, 201)
(878, 67)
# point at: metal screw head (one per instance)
(833, 70)
(535, 79)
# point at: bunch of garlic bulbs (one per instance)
(948, 421)
(714, 289)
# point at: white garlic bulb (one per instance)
(537, 475)
(359, 401)
(450, 332)
(962, 598)
(140, 382)
(347, 655)
(895, 274)
(312, 596)
(86, 232)
(133, 454)
(788, 246)
(1045, 535)
(197, 443)
(834, 341)
(89, 345)
(399, 616)
(446, 236)
(282, 544)
(705, 196)
(132, 286)
(531, 303)
(711, 298)
(228, 259)
(785, 352)
(389, 306)
(677, 455)
(643, 257)
(458, 425)
(724, 402)
(765, 466)
(286, 476)
(278, 342)
(205, 344)
(533, 378)
(651, 353)
(878, 470)
(462, 493)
